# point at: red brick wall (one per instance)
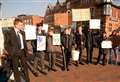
(36, 19)
(113, 21)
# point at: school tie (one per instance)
(19, 41)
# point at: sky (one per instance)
(11, 8)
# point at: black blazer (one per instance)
(12, 42)
(89, 40)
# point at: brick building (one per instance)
(31, 19)
(105, 10)
(53, 9)
(7, 22)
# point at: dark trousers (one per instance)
(67, 57)
(19, 60)
(102, 52)
(99, 55)
(89, 55)
(52, 59)
(80, 50)
(39, 60)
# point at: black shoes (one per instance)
(36, 74)
(45, 72)
(53, 69)
(68, 69)
(81, 63)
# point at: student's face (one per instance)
(80, 29)
(50, 33)
(67, 31)
(19, 26)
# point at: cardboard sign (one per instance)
(30, 32)
(95, 24)
(56, 39)
(81, 14)
(45, 27)
(41, 43)
(106, 44)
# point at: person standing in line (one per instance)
(100, 39)
(51, 49)
(68, 41)
(115, 47)
(79, 42)
(103, 51)
(89, 46)
(39, 60)
(17, 50)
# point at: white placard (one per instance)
(95, 24)
(56, 39)
(45, 27)
(106, 44)
(41, 43)
(81, 14)
(30, 32)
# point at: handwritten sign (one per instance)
(41, 43)
(30, 32)
(56, 39)
(81, 14)
(106, 44)
(95, 24)
(45, 27)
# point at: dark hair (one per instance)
(17, 20)
(39, 24)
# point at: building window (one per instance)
(107, 10)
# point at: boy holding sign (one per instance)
(40, 47)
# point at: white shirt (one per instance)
(21, 38)
(1, 41)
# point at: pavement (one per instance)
(82, 73)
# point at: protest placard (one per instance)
(106, 44)
(56, 39)
(41, 43)
(30, 32)
(94, 23)
(81, 14)
(45, 27)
